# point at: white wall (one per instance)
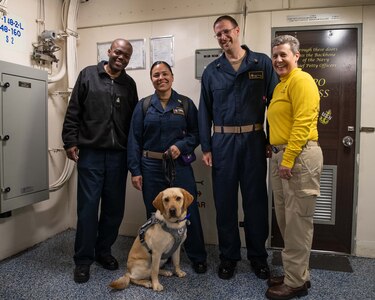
(195, 32)
(99, 13)
(365, 244)
(35, 223)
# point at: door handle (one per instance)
(347, 141)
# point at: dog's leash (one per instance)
(169, 167)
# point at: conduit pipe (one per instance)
(72, 42)
(71, 66)
(60, 75)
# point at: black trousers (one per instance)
(101, 182)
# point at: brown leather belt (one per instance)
(238, 129)
(152, 154)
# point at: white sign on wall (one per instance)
(162, 49)
(313, 18)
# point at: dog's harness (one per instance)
(177, 234)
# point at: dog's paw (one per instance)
(166, 273)
(157, 287)
(148, 285)
(180, 273)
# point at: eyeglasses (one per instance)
(224, 31)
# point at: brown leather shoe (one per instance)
(277, 280)
(284, 292)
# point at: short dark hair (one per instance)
(159, 62)
(227, 18)
(120, 40)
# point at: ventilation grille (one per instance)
(325, 210)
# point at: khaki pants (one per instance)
(295, 201)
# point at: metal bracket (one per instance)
(367, 129)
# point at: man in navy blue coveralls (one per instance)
(234, 93)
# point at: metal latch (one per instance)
(4, 84)
(5, 137)
(5, 190)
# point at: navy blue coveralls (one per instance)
(98, 121)
(230, 98)
(156, 131)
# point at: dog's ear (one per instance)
(188, 198)
(158, 202)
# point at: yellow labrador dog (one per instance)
(159, 238)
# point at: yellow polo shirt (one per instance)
(293, 114)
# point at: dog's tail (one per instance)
(121, 283)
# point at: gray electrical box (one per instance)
(203, 57)
(23, 136)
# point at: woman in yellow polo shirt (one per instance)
(296, 165)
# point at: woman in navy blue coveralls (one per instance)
(165, 126)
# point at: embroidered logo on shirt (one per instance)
(256, 75)
(178, 111)
(283, 91)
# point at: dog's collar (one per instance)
(186, 218)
